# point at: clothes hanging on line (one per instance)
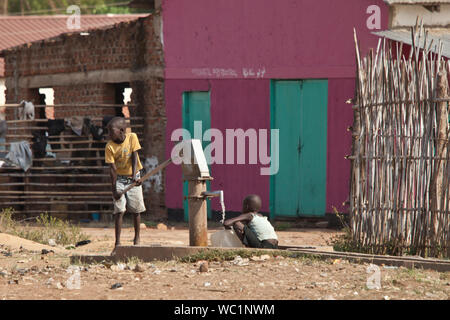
(106, 120)
(39, 144)
(76, 124)
(3, 128)
(55, 127)
(97, 132)
(48, 151)
(20, 154)
(87, 124)
(26, 110)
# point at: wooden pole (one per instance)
(198, 235)
(437, 185)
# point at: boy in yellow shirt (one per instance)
(121, 154)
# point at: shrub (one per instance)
(46, 227)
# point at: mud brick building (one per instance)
(88, 72)
(17, 30)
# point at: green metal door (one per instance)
(196, 110)
(299, 111)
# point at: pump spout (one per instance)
(218, 193)
(211, 194)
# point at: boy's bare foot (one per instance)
(115, 247)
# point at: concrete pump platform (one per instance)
(150, 253)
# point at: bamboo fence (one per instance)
(399, 199)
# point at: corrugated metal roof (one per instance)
(435, 34)
(18, 30)
(424, 2)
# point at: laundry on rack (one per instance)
(20, 154)
(39, 144)
(26, 110)
(106, 120)
(97, 132)
(55, 127)
(48, 151)
(87, 124)
(3, 128)
(76, 124)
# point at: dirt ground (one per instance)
(26, 273)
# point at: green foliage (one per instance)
(49, 7)
(133, 261)
(226, 255)
(47, 227)
(6, 220)
(150, 224)
(346, 243)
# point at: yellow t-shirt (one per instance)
(120, 154)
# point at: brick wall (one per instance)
(116, 47)
(101, 93)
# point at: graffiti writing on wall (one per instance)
(251, 73)
(229, 73)
(215, 72)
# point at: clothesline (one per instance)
(89, 105)
(46, 120)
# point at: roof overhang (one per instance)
(442, 35)
(417, 2)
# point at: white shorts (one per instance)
(132, 201)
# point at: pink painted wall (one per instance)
(230, 105)
(241, 104)
(340, 117)
(281, 39)
(222, 40)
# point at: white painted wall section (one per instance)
(406, 15)
(2, 92)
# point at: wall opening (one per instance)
(122, 93)
(2, 92)
(123, 97)
(47, 98)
